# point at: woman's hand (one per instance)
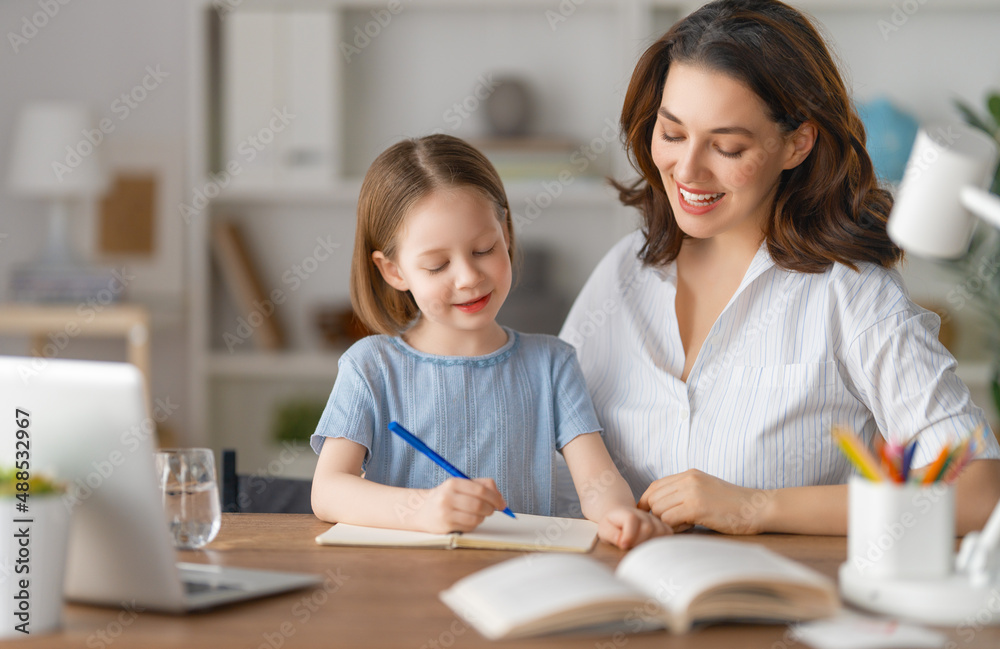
(627, 527)
(693, 498)
(458, 505)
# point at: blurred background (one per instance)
(209, 153)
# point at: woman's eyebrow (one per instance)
(722, 130)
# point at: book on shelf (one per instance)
(243, 282)
(668, 582)
(497, 532)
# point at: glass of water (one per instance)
(190, 495)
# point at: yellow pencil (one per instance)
(858, 454)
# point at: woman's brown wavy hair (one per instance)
(829, 208)
(399, 177)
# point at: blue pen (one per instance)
(908, 459)
(438, 460)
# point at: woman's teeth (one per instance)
(700, 200)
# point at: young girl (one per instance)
(431, 268)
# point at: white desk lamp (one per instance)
(51, 158)
(933, 216)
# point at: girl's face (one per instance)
(451, 255)
(719, 154)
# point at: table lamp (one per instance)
(54, 157)
(942, 191)
(933, 216)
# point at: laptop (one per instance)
(90, 429)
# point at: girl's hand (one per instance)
(458, 505)
(627, 527)
(693, 498)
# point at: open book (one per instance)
(497, 532)
(668, 582)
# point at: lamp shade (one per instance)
(929, 217)
(56, 152)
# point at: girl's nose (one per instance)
(467, 274)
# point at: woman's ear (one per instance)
(389, 271)
(801, 143)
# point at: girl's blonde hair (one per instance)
(401, 176)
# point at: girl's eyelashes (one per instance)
(727, 154)
(477, 253)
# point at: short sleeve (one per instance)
(907, 379)
(574, 410)
(350, 411)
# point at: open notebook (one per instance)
(498, 532)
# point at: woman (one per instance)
(758, 305)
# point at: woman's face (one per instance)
(719, 153)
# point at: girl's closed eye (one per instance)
(482, 253)
(677, 138)
(437, 269)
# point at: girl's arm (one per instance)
(341, 495)
(696, 498)
(605, 496)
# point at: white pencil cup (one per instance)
(900, 531)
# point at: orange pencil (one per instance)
(935, 467)
(889, 464)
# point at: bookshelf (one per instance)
(419, 70)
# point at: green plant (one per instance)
(37, 485)
(296, 420)
(981, 265)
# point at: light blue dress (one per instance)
(500, 416)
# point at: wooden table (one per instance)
(388, 598)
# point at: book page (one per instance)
(530, 532)
(346, 534)
(748, 579)
(539, 593)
